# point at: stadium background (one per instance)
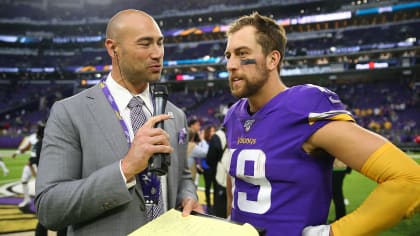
(365, 50)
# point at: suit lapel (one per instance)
(107, 121)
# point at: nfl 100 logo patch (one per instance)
(248, 124)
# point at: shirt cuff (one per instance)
(128, 184)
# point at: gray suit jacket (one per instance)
(79, 183)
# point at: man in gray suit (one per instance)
(91, 156)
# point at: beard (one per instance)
(250, 87)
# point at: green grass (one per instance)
(15, 166)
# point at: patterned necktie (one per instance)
(149, 181)
(137, 116)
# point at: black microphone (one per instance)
(160, 162)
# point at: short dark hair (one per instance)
(192, 121)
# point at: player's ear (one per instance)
(273, 60)
(111, 47)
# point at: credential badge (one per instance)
(248, 124)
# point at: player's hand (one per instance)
(319, 230)
(189, 204)
(147, 141)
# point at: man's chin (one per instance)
(154, 78)
(237, 93)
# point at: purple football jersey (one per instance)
(276, 185)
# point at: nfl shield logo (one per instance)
(248, 124)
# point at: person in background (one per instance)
(217, 146)
(195, 124)
(283, 141)
(217, 159)
(30, 169)
(197, 149)
(3, 167)
(94, 175)
(340, 170)
(204, 169)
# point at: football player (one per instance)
(283, 141)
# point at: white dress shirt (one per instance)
(122, 97)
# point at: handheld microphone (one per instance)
(160, 162)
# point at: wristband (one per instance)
(319, 230)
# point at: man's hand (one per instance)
(147, 141)
(189, 204)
